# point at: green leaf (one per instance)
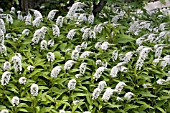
(160, 109)
(144, 105)
(163, 2)
(63, 46)
(89, 100)
(130, 106)
(124, 39)
(79, 94)
(42, 87)
(113, 106)
(50, 98)
(164, 97)
(57, 54)
(23, 110)
(147, 94)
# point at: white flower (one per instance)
(35, 40)
(71, 34)
(82, 68)
(36, 13)
(104, 45)
(128, 95)
(6, 66)
(2, 49)
(143, 54)
(98, 45)
(123, 69)
(128, 56)
(1, 10)
(50, 57)
(101, 85)
(85, 54)
(37, 21)
(98, 73)
(139, 41)
(17, 62)
(15, 59)
(86, 34)
(8, 36)
(168, 78)
(68, 50)
(26, 32)
(51, 43)
(78, 48)
(59, 21)
(160, 81)
(62, 111)
(51, 14)
(151, 37)
(83, 29)
(34, 89)
(22, 80)
(5, 78)
(4, 111)
(30, 68)
(82, 18)
(162, 26)
(119, 99)
(77, 6)
(169, 72)
(104, 64)
(43, 45)
(155, 61)
(68, 64)
(119, 86)
(75, 17)
(92, 34)
(72, 84)
(2, 25)
(84, 45)
(1, 37)
(166, 61)
(98, 62)
(55, 71)
(114, 55)
(96, 93)
(158, 52)
(139, 49)
(9, 19)
(28, 19)
(20, 17)
(43, 30)
(91, 19)
(12, 10)
(56, 30)
(15, 101)
(107, 94)
(86, 112)
(146, 85)
(114, 71)
(75, 102)
(139, 63)
(75, 55)
(98, 28)
(78, 75)
(18, 55)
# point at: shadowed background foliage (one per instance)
(61, 5)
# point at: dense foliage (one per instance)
(76, 63)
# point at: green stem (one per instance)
(33, 104)
(14, 109)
